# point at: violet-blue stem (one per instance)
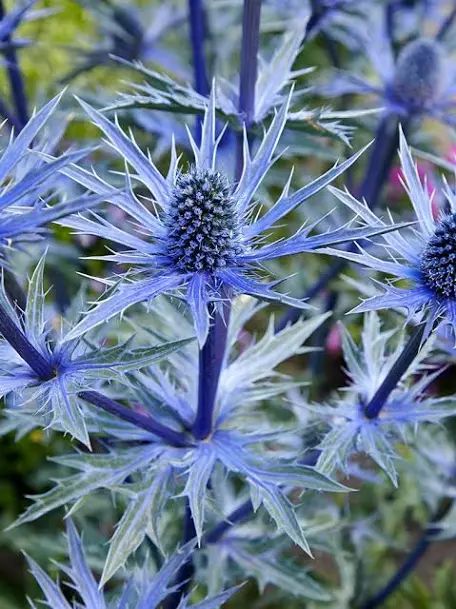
(318, 11)
(184, 575)
(250, 45)
(412, 560)
(379, 164)
(390, 9)
(398, 369)
(211, 357)
(20, 343)
(15, 79)
(197, 24)
(317, 357)
(171, 436)
(249, 59)
(197, 38)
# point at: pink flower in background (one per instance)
(334, 341)
(427, 177)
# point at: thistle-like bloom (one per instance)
(350, 431)
(425, 258)
(43, 372)
(238, 451)
(420, 82)
(142, 591)
(27, 181)
(205, 237)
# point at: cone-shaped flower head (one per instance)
(420, 81)
(438, 260)
(202, 223)
(204, 236)
(420, 73)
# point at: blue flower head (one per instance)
(43, 372)
(425, 258)
(28, 183)
(143, 591)
(350, 431)
(419, 77)
(419, 82)
(204, 237)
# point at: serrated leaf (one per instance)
(74, 487)
(195, 488)
(281, 573)
(132, 527)
(34, 311)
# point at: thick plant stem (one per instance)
(196, 19)
(15, 79)
(244, 511)
(197, 37)
(171, 436)
(211, 357)
(399, 368)
(249, 59)
(412, 560)
(248, 72)
(184, 575)
(20, 343)
(379, 165)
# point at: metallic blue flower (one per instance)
(424, 258)
(142, 591)
(421, 81)
(43, 372)
(349, 430)
(205, 236)
(28, 182)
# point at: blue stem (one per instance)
(20, 343)
(171, 436)
(211, 358)
(399, 368)
(15, 79)
(184, 575)
(197, 36)
(249, 59)
(248, 72)
(411, 561)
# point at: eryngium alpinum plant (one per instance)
(178, 256)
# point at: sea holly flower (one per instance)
(27, 182)
(204, 237)
(421, 81)
(238, 447)
(135, 594)
(350, 431)
(424, 258)
(276, 76)
(43, 371)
